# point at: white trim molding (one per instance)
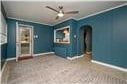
(59, 22)
(75, 57)
(43, 53)
(3, 68)
(9, 59)
(77, 19)
(103, 11)
(19, 19)
(14, 58)
(109, 65)
(62, 28)
(88, 52)
(18, 43)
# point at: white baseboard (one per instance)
(14, 58)
(3, 68)
(88, 52)
(9, 59)
(109, 65)
(75, 57)
(43, 53)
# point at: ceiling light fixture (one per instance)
(60, 14)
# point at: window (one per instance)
(3, 30)
(62, 35)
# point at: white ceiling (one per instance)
(36, 11)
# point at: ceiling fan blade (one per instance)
(52, 9)
(72, 12)
(57, 17)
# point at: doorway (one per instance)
(24, 42)
(86, 40)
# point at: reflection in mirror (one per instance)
(62, 35)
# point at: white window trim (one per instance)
(61, 29)
(5, 29)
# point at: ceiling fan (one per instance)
(60, 12)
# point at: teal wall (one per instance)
(109, 43)
(3, 54)
(109, 31)
(42, 44)
(63, 49)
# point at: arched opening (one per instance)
(86, 41)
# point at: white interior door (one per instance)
(24, 41)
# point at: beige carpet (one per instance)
(51, 69)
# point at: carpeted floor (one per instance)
(51, 69)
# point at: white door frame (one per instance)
(17, 39)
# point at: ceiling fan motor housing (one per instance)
(60, 7)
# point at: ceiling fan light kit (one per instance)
(60, 12)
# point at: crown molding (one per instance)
(29, 21)
(64, 21)
(106, 10)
